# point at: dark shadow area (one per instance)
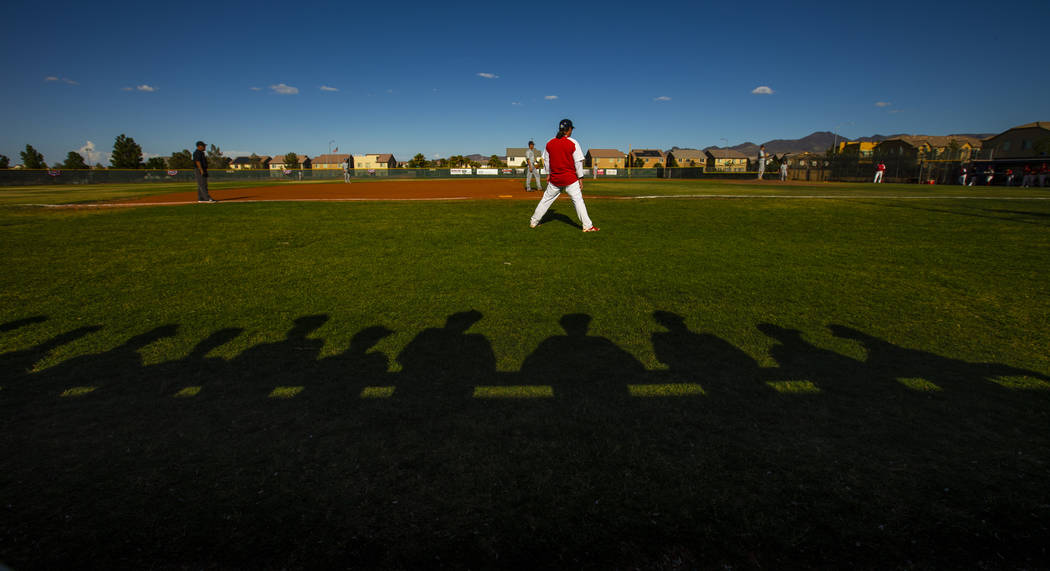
(577, 364)
(20, 323)
(718, 366)
(15, 365)
(866, 473)
(554, 215)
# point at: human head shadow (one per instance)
(359, 365)
(553, 215)
(714, 363)
(578, 365)
(447, 361)
(799, 360)
(289, 362)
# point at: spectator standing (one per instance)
(1043, 171)
(1028, 178)
(201, 173)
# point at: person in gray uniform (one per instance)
(531, 170)
(200, 160)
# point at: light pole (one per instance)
(836, 145)
(330, 146)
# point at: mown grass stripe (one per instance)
(285, 392)
(514, 392)
(666, 390)
(919, 384)
(377, 392)
(188, 392)
(794, 387)
(1022, 383)
(76, 391)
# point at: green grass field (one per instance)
(853, 381)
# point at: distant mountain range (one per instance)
(817, 142)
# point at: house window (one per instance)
(1026, 144)
(1006, 146)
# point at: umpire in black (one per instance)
(201, 172)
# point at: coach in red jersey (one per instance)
(564, 159)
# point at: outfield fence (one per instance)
(831, 169)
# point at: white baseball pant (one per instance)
(551, 194)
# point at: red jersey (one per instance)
(561, 156)
(881, 167)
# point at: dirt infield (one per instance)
(467, 189)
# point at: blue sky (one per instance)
(476, 78)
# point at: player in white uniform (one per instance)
(531, 170)
(761, 162)
(346, 170)
(564, 160)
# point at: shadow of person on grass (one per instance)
(717, 365)
(927, 372)
(588, 479)
(447, 360)
(109, 374)
(578, 365)
(553, 215)
(20, 323)
(291, 362)
(15, 366)
(357, 367)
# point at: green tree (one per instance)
(255, 161)
(291, 161)
(216, 160)
(5, 162)
(494, 161)
(418, 162)
(671, 162)
(74, 161)
(638, 162)
(181, 160)
(32, 159)
(954, 149)
(127, 154)
(156, 163)
(99, 167)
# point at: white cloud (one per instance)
(662, 98)
(550, 97)
(255, 88)
(882, 104)
(146, 88)
(63, 80)
(50, 78)
(488, 75)
(326, 88)
(91, 156)
(515, 103)
(284, 89)
(127, 89)
(762, 90)
(894, 110)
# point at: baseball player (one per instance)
(878, 172)
(532, 171)
(564, 159)
(761, 162)
(346, 170)
(783, 169)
